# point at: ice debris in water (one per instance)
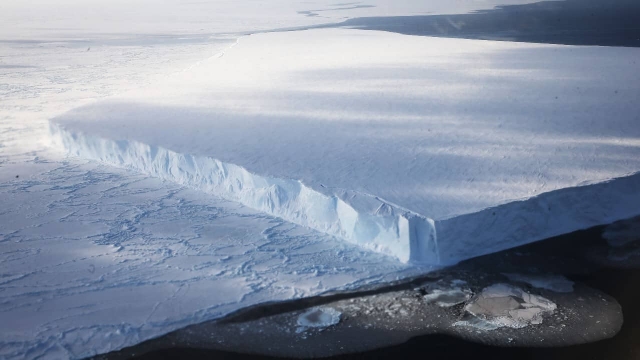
(555, 283)
(319, 317)
(504, 305)
(447, 294)
(448, 297)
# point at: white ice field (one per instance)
(424, 149)
(427, 149)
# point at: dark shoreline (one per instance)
(569, 22)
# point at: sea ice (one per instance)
(95, 259)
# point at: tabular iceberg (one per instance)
(430, 150)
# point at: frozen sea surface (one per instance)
(96, 259)
(428, 149)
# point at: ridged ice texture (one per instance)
(390, 230)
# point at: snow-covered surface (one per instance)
(427, 149)
(95, 259)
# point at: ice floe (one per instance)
(504, 305)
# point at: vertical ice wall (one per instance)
(389, 229)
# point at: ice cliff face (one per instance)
(389, 229)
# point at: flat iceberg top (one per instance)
(430, 150)
(442, 127)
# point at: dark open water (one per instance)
(622, 284)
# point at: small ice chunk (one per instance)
(447, 293)
(319, 317)
(448, 297)
(504, 305)
(557, 283)
(477, 323)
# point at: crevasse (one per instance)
(390, 230)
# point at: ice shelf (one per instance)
(430, 150)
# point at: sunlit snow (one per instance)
(427, 149)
